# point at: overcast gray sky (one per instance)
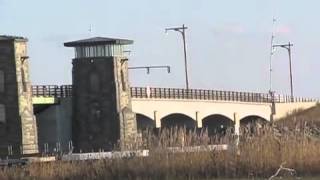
(228, 41)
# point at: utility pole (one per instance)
(288, 48)
(271, 54)
(182, 31)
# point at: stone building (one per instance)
(18, 129)
(102, 114)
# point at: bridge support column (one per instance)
(199, 121)
(156, 118)
(236, 124)
(273, 111)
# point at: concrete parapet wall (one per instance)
(105, 155)
(284, 109)
(156, 109)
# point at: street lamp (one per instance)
(182, 31)
(151, 67)
(288, 48)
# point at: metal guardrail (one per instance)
(198, 94)
(16, 150)
(175, 93)
(214, 95)
(52, 91)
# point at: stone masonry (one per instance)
(102, 113)
(127, 118)
(18, 129)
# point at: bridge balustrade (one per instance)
(176, 93)
(52, 90)
(199, 94)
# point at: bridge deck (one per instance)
(44, 100)
(46, 94)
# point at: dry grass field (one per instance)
(293, 142)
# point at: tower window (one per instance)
(2, 114)
(94, 82)
(1, 81)
(123, 82)
(23, 77)
(98, 51)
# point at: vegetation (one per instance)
(259, 153)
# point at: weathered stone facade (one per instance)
(17, 121)
(102, 113)
(127, 118)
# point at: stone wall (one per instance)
(19, 128)
(128, 125)
(102, 115)
(28, 121)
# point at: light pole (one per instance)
(288, 48)
(182, 31)
(151, 67)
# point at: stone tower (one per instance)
(102, 115)
(18, 129)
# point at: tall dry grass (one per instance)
(258, 154)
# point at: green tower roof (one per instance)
(98, 41)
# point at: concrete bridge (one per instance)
(193, 108)
(102, 111)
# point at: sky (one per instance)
(228, 42)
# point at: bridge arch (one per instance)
(256, 115)
(178, 120)
(217, 124)
(144, 122)
(252, 123)
(252, 119)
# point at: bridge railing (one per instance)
(176, 93)
(200, 94)
(52, 90)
